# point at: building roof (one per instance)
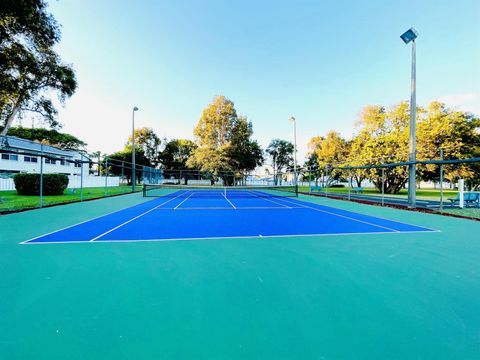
(13, 142)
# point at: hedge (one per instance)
(29, 184)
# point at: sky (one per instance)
(320, 61)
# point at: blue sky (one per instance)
(321, 61)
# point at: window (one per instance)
(10, 157)
(62, 161)
(78, 164)
(49, 161)
(31, 159)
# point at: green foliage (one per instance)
(29, 184)
(281, 154)
(224, 141)
(29, 67)
(148, 141)
(383, 137)
(49, 137)
(125, 157)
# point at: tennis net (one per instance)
(219, 191)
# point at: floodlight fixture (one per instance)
(409, 35)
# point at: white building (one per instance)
(24, 156)
(20, 155)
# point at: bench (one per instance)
(470, 198)
(316, 189)
(358, 190)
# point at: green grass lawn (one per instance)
(10, 200)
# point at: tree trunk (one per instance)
(10, 118)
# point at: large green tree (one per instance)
(30, 69)
(50, 137)
(174, 158)
(224, 142)
(119, 163)
(149, 142)
(281, 155)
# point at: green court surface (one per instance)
(371, 296)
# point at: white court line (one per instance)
(85, 221)
(269, 200)
(234, 237)
(237, 208)
(175, 208)
(372, 216)
(136, 217)
(342, 216)
(229, 201)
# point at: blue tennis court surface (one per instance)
(197, 214)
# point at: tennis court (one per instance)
(327, 279)
(196, 213)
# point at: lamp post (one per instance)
(133, 148)
(407, 37)
(295, 180)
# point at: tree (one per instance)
(49, 137)
(149, 142)
(120, 163)
(224, 144)
(174, 157)
(384, 138)
(330, 151)
(97, 156)
(29, 67)
(456, 133)
(281, 153)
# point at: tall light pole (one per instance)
(295, 179)
(133, 148)
(410, 36)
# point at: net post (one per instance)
(144, 190)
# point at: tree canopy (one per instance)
(382, 137)
(149, 142)
(281, 154)
(50, 137)
(30, 69)
(224, 141)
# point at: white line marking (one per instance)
(136, 217)
(343, 216)
(372, 216)
(263, 198)
(85, 221)
(232, 237)
(229, 201)
(188, 197)
(237, 208)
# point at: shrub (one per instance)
(29, 184)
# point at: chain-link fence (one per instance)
(445, 186)
(87, 178)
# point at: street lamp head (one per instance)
(409, 35)
(292, 119)
(135, 108)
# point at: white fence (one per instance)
(73, 182)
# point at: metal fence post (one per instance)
(106, 175)
(81, 176)
(41, 176)
(441, 181)
(326, 181)
(383, 186)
